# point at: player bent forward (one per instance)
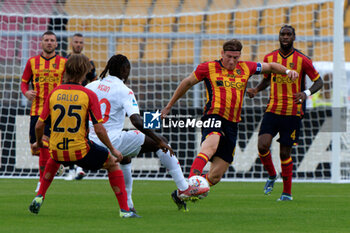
(68, 108)
(118, 101)
(225, 80)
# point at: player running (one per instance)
(285, 108)
(117, 101)
(225, 80)
(68, 109)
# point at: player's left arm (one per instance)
(310, 70)
(273, 67)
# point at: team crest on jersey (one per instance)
(291, 65)
(239, 71)
(54, 65)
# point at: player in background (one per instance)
(117, 101)
(44, 72)
(285, 108)
(68, 109)
(225, 80)
(77, 44)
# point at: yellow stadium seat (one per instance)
(165, 7)
(134, 25)
(104, 7)
(193, 6)
(325, 16)
(347, 18)
(218, 23)
(303, 14)
(162, 24)
(273, 19)
(323, 51)
(347, 51)
(222, 5)
(246, 54)
(211, 50)
(156, 51)
(182, 52)
(245, 22)
(266, 47)
(244, 4)
(304, 30)
(190, 24)
(303, 47)
(137, 7)
(97, 50)
(129, 48)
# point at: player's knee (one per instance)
(126, 160)
(263, 148)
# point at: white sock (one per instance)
(173, 166)
(126, 168)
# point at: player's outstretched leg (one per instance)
(180, 203)
(37, 202)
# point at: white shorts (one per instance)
(129, 142)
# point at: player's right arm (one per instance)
(97, 121)
(265, 82)
(102, 135)
(26, 77)
(183, 87)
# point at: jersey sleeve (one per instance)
(27, 73)
(310, 70)
(94, 108)
(201, 71)
(130, 104)
(254, 68)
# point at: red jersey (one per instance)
(225, 88)
(45, 75)
(283, 88)
(68, 108)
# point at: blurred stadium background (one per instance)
(165, 40)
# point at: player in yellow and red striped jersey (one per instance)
(225, 81)
(68, 109)
(44, 72)
(285, 108)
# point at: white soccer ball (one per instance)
(199, 181)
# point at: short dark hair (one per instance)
(115, 65)
(78, 35)
(77, 67)
(232, 45)
(289, 27)
(48, 33)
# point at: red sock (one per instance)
(43, 157)
(266, 160)
(287, 174)
(116, 179)
(198, 164)
(51, 168)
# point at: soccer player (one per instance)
(285, 108)
(44, 72)
(117, 101)
(225, 80)
(68, 108)
(77, 44)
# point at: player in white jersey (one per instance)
(117, 101)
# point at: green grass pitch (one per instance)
(90, 206)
